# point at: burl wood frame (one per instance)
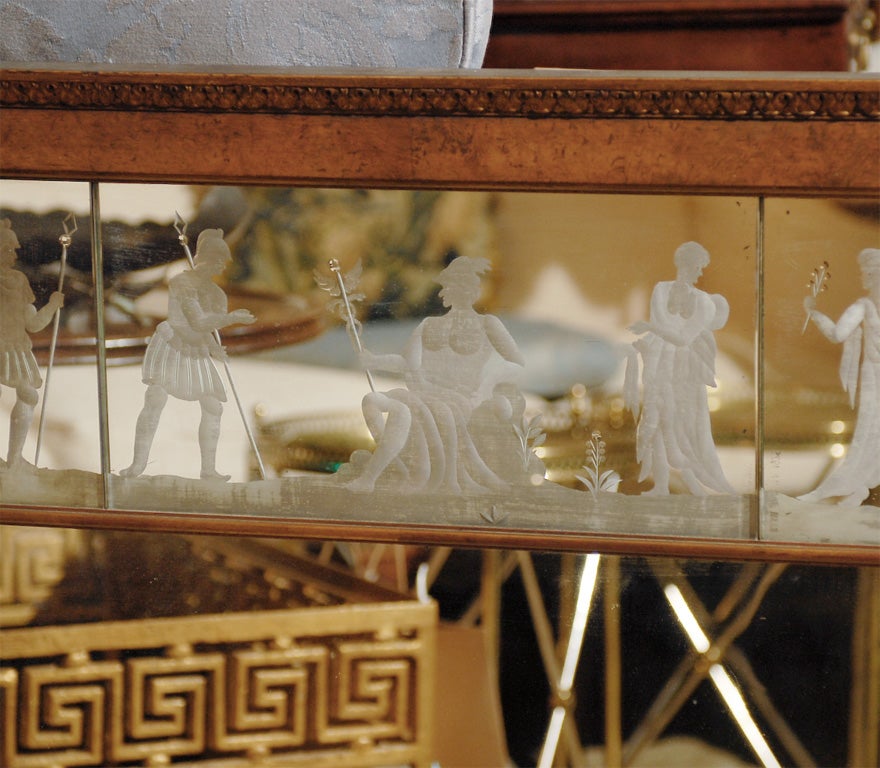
(554, 130)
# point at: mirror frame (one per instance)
(556, 131)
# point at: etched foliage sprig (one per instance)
(595, 479)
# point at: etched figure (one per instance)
(453, 427)
(858, 329)
(677, 349)
(18, 318)
(179, 360)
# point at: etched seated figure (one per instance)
(453, 427)
(677, 348)
(18, 318)
(858, 330)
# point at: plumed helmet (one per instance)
(8, 238)
(211, 243)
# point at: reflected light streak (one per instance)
(551, 741)
(579, 622)
(586, 588)
(724, 684)
(735, 702)
(686, 618)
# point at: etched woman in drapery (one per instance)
(452, 426)
(18, 318)
(858, 329)
(677, 349)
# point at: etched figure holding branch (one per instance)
(18, 318)
(677, 349)
(858, 329)
(453, 426)
(179, 360)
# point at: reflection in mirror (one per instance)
(665, 662)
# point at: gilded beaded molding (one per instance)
(685, 103)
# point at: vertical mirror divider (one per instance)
(758, 507)
(100, 335)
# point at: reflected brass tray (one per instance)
(279, 323)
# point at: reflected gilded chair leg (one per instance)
(506, 567)
(864, 736)
(613, 692)
(490, 600)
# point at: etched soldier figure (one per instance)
(677, 348)
(179, 360)
(18, 318)
(858, 329)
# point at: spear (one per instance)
(66, 239)
(340, 291)
(180, 226)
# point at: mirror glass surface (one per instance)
(595, 368)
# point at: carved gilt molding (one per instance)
(478, 99)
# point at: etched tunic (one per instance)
(17, 362)
(179, 355)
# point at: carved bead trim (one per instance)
(485, 101)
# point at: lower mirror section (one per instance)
(125, 647)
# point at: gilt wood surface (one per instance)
(565, 131)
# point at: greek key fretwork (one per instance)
(374, 692)
(67, 712)
(171, 705)
(212, 701)
(271, 693)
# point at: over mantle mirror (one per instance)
(620, 313)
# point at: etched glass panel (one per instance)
(478, 359)
(49, 423)
(822, 463)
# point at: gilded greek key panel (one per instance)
(64, 711)
(373, 696)
(227, 702)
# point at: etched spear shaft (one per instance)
(180, 226)
(336, 269)
(66, 239)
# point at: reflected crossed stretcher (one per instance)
(712, 656)
(714, 632)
